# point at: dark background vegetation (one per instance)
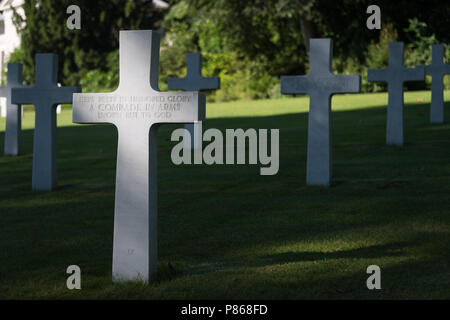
(249, 44)
(226, 232)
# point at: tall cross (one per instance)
(44, 95)
(13, 111)
(395, 75)
(437, 69)
(320, 84)
(193, 81)
(137, 108)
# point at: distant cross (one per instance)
(44, 95)
(137, 108)
(58, 107)
(320, 84)
(194, 81)
(437, 70)
(395, 75)
(13, 111)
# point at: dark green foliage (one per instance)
(79, 50)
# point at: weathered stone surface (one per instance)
(193, 81)
(437, 70)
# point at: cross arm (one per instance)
(177, 83)
(427, 69)
(193, 84)
(210, 83)
(14, 74)
(117, 108)
(33, 94)
(446, 68)
(294, 84)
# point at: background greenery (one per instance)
(224, 231)
(249, 44)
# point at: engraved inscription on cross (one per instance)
(437, 69)
(320, 84)
(193, 81)
(395, 75)
(13, 111)
(45, 95)
(136, 108)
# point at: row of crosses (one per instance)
(320, 84)
(135, 241)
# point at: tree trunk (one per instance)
(307, 25)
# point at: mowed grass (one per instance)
(226, 232)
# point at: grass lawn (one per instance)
(225, 231)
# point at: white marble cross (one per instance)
(193, 81)
(44, 95)
(13, 111)
(320, 84)
(137, 108)
(437, 69)
(395, 75)
(3, 102)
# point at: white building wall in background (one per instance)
(9, 38)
